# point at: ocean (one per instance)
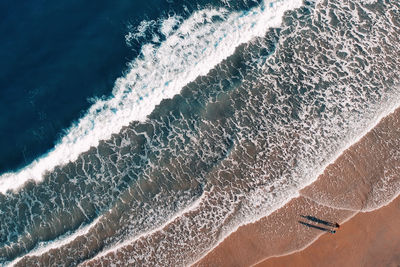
(145, 133)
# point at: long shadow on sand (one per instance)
(315, 219)
(318, 227)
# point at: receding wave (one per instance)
(191, 48)
(225, 139)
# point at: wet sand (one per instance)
(368, 239)
(273, 235)
(359, 180)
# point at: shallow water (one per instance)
(218, 122)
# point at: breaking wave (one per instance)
(221, 120)
(191, 48)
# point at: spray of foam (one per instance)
(369, 1)
(193, 206)
(256, 198)
(44, 247)
(191, 48)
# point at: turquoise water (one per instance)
(220, 117)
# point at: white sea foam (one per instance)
(44, 247)
(257, 201)
(368, 1)
(193, 206)
(386, 110)
(197, 45)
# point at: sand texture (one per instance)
(368, 239)
(363, 178)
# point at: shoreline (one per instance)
(306, 246)
(342, 192)
(272, 235)
(354, 238)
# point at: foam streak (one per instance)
(197, 45)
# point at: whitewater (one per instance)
(264, 112)
(191, 49)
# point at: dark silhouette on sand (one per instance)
(317, 227)
(314, 219)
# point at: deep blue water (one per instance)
(54, 56)
(231, 147)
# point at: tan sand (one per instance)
(273, 235)
(368, 239)
(368, 169)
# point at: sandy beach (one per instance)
(200, 133)
(350, 191)
(367, 239)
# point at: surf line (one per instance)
(197, 45)
(388, 108)
(191, 207)
(61, 241)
